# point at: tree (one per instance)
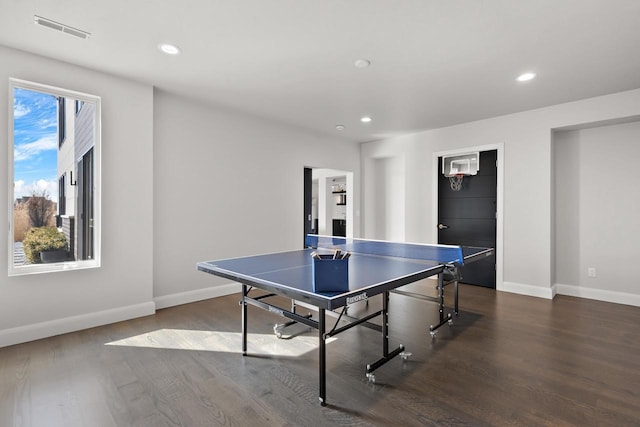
(40, 209)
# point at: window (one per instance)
(54, 166)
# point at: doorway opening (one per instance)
(328, 202)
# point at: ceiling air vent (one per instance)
(60, 27)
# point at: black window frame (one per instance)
(62, 196)
(62, 130)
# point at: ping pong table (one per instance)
(375, 268)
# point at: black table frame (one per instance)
(325, 306)
(323, 334)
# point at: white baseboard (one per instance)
(36, 331)
(599, 294)
(197, 295)
(51, 328)
(534, 291)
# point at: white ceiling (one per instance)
(434, 63)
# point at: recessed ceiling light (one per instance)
(526, 77)
(362, 63)
(365, 119)
(339, 127)
(169, 49)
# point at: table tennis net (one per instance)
(440, 253)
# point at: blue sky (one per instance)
(35, 139)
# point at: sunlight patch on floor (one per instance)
(228, 342)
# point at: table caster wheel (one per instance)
(371, 377)
(405, 355)
(277, 330)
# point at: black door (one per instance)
(468, 217)
(308, 188)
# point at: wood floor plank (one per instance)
(507, 360)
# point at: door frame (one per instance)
(499, 201)
(325, 198)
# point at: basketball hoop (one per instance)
(456, 181)
(455, 168)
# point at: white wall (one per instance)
(224, 184)
(387, 195)
(410, 196)
(597, 212)
(528, 196)
(184, 182)
(567, 207)
(227, 185)
(40, 305)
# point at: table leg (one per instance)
(385, 324)
(386, 355)
(455, 290)
(243, 303)
(322, 356)
(441, 295)
(443, 319)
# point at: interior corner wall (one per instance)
(528, 212)
(600, 227)
(40, 305)
(226, 185)
(393, 194)
(388, 201)
(567, 164)
(609, 206)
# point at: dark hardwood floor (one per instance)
(507, 360)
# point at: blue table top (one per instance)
(291, 274)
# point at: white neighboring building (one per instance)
(75, 175)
